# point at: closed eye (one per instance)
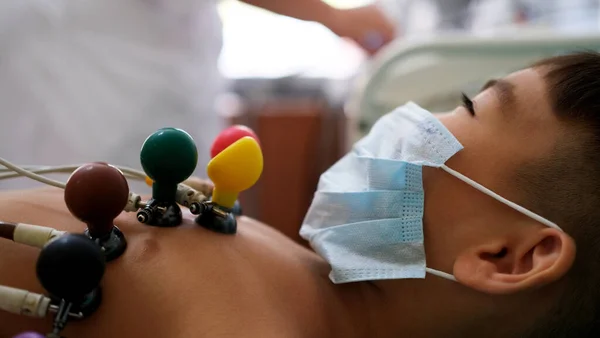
(468, 104)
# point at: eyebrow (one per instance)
(505, 92)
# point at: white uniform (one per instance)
(89, 80)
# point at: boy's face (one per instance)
(513, 125)
(494, 251)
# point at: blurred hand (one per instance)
(367, 26)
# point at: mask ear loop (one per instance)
(499, 198)
(441, 274)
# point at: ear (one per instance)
(525, 261)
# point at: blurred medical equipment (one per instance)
(427, 17)
(432, 71)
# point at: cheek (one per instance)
(455, 217)
(444, 205)
(484, 152)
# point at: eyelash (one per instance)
(468, 104)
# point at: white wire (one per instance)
(7, 174)
(32, 171)
(70, 168)
(31, 175)
(53, 170)
(31, 167)
(26, 167)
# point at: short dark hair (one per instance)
(565, 187)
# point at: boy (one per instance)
(529, 137)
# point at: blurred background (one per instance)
(88, 80)
(296, 85)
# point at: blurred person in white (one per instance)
(89, 80)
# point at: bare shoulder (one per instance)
(179, 282)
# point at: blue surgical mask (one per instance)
(366, 218)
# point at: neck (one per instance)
(426, 308)
(373, 313)
(383, 310)
(353, 313)
(387, 309)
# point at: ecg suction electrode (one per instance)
(70, 266)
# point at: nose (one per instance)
(448, 119)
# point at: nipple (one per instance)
(96, 193)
